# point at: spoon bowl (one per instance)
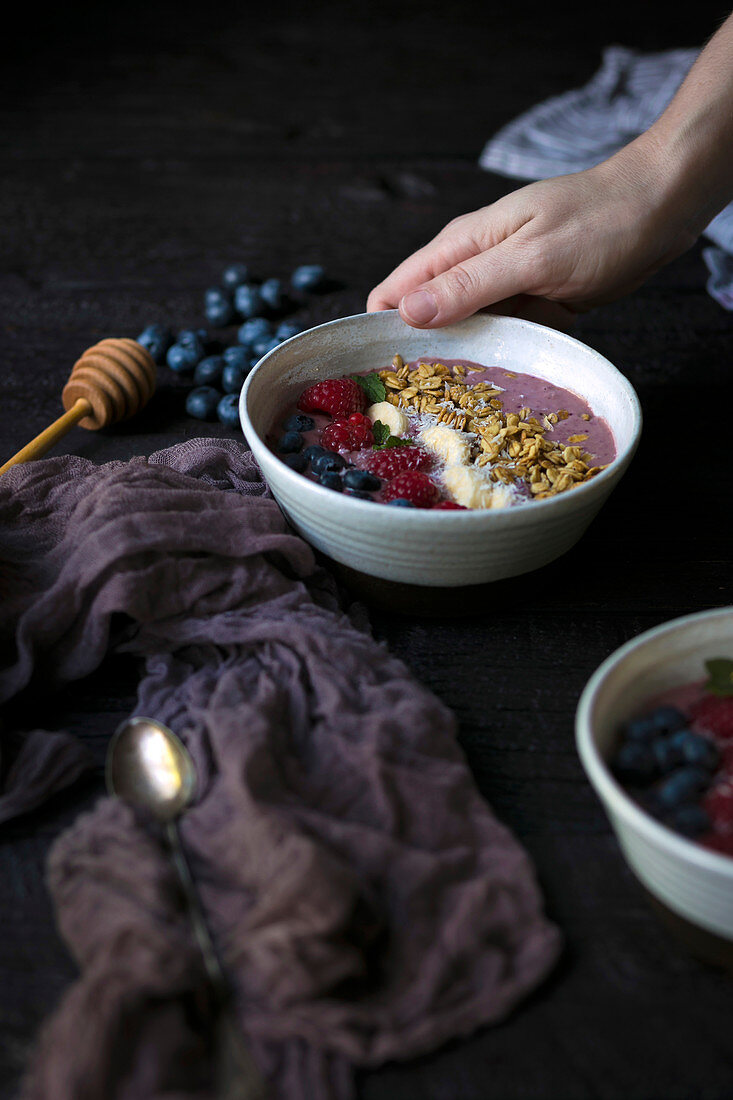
(149, 767)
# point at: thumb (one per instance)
(466, 287)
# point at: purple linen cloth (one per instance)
(365, 903)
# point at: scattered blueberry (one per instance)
(228, 410)
(261, 346)
(286, 329)
(254, 329)
(297, 462)
(696, 749)
(400, 502)
(358, 494)
(193, 338)
(234, 275)
(362, 480)
(290, 442)
(219, 314)
(331, 479)
(208, 371)
(327, 461)
(681, 786)
(635, 762)
(300, 423)
(157, 339)
(238, 355)
(184, 359)
(690, 819)
(308, 277)
(232, 377)
(202, 402)
(271, 292)
(248, 300)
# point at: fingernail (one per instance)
(419, 307)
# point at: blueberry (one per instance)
(248, 300)
(681, 786)
(219, 314)
(362, 479)
(668, 719)
(635, 762)
(690, 819)
(253, 329)
(234, 275)
(358, 494)
(208, 371)
(232, 377)
(314, 451)
(290, 442)
(327, 461)
(271, 292)
(261, 346)
(202, 402)
(182, 359)
(157, 339)
(193, 338)
(238, 355)
(299, 423)
(331, 479)
(286, 329)
(228, 410)
(308, 277)
(667, 754)
(400, 502)
(296, 462)
(696, 749)
(640, 729)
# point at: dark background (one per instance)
(143, 149)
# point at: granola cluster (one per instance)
(513, 445)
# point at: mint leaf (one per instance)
(720, 671)
(372, 385)
(380, 432)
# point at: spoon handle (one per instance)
(238, 1075)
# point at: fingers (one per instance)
(474, 283)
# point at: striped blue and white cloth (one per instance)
(582, 127)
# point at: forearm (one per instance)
(691, 143)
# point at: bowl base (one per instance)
(461, 601)
(706, 946)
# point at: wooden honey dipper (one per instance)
(111, 381)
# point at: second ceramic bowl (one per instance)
(425, 547)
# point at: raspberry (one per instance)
(449, 506)
(412, 485)
(337, 396)
(718, 803)
(348, 435)
(395, 460)
(715, 714)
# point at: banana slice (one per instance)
(452, 446)
(473, 488)
(392, 417)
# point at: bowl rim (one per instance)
(610, 792)
(566, 501)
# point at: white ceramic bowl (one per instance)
(421, 546)
(690, 880)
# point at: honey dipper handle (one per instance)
(51, 435)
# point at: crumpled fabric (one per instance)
(365, 903)
(582, 127)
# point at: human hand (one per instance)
(550, 249)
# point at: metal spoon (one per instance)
(150, 768)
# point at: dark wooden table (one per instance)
(145, 149)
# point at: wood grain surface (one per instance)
(144, 148)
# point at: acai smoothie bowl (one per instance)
(451, 457)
